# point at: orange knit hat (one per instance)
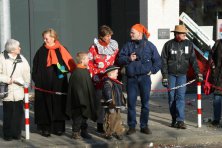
(142, 29)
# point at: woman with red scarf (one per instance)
(51, 64)
(101, 54)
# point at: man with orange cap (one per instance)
(141, 59)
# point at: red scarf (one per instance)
(115, 80)
(52, 58)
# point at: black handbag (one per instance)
(4, 86)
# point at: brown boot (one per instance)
(145, 130)
(76, 135)
(131, 131)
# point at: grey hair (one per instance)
(11, 45)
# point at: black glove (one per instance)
(165, 82)
(199, 77)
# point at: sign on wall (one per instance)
(163, 33)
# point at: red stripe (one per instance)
(26, 121)
(198, 96)
(26, 90)
(199, 111)
(26, 105)
(199, 83)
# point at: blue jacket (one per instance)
(148, 58)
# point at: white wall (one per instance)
(162, 14)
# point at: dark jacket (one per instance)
(148, 58)
(176, 58)
(216, 75)
(48, 107)
(112, 93)
(81, 95)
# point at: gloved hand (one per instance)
(165, 82)
(199, 77)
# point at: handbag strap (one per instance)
(13, 69)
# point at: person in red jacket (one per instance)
(102, 54)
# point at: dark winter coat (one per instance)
(81, 95)
(148, 58)
(112, 94)
(176, 58)
(216, 76)
(48, 107)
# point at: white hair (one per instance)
(11, 45)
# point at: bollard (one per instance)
(26, 91)
(199, 110)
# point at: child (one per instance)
(114, 101)
(81, 98)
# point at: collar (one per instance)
(18, 59)
(114, 80)
(106, 50)
(81, 66)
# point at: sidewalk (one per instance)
(158, 123)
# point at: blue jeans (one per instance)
(143, 85)
(217, 107)
(176, 98)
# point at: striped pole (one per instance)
(199, 110)
(26, 91)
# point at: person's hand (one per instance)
(165, 82)
(10, 82)
(199, 77)
(133, 56)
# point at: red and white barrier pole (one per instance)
(26, 91)
(199, 110)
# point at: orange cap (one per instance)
(142, 29)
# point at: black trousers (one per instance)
(13, 117)
(79, 123)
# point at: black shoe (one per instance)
(131, 131)
(145, 130)
(17, 137)
(85, 134)
(173, 124)
(119, 137)
(181, 125)
(8, 138)
(45, 133)
(100, 128)
(108, 137)
(58, 133)
(215, 122)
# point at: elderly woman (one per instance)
(51, 64)
(14, 71)
(101, 54)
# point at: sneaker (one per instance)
(85, 134)
(173, 124)
(76, 135)
(181, 125)
(100, 128)
(215, 122)
(145, 130)
(131, 131)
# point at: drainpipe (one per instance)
(5, 22)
